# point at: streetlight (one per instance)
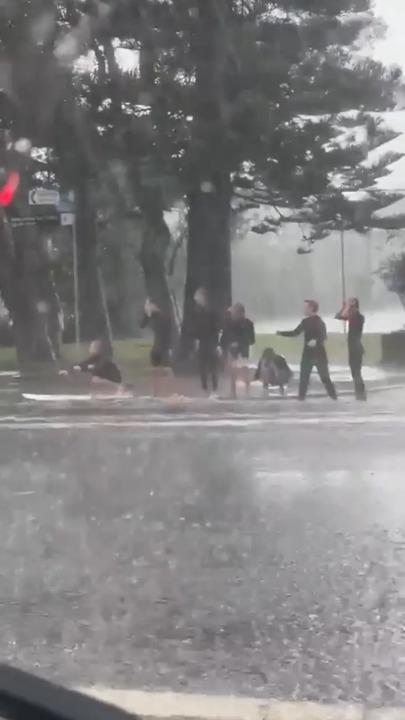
(342, 262)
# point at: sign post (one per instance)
(51, 206)
(69, 219)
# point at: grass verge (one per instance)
(133, 355)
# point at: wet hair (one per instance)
(239, 309)
(313, 304)
(203, 293)
(100, 346)
(355, 302)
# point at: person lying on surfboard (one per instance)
(100, 366)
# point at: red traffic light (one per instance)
(9, 189)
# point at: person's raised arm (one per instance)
(343, 313)
(144, 322)
(292, 333)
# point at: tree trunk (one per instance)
(32, 298)
(24, 267)
(209, 251)
(94, 323)
(209, 197)
(155, 243)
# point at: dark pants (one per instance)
(315, 357)
(356, 354)
(208, 366)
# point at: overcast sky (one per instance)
(392, 48)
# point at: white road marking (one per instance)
(155, 421)
(177, 706)
(44, 424)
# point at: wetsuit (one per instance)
(161, 328)
(355, 347)
(206, 329)
(274, 372)
(314, 330)
(237, 338)
(102, 368)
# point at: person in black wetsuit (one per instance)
(351, 313)
(237, 338)
(99, 365)
(314, 353)
(206, 329)
(160, 355)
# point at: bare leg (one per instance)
(234, 379)
(170, 382)
(245, 375)
(156, 376)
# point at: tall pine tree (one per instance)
(236, 88)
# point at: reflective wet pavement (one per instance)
(263, 559)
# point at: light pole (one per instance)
(343, 263)
(69, 219)
(76, 282)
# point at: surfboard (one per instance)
(72, 398)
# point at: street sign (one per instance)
(22, 222)
(42, 196)
(32, 220)
(67, 219)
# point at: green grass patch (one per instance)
(8, 359)
(133, 355)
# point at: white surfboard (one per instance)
(75, 398)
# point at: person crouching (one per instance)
(103, 371)
(273, 371)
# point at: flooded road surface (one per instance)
(265, 559)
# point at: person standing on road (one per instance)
(206, 329)
(314, 353)
(351, 313)
(237, 338)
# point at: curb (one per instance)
(177, 706)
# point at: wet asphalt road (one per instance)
(266, 560)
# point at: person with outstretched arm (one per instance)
(314, 353)
(351, 314)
